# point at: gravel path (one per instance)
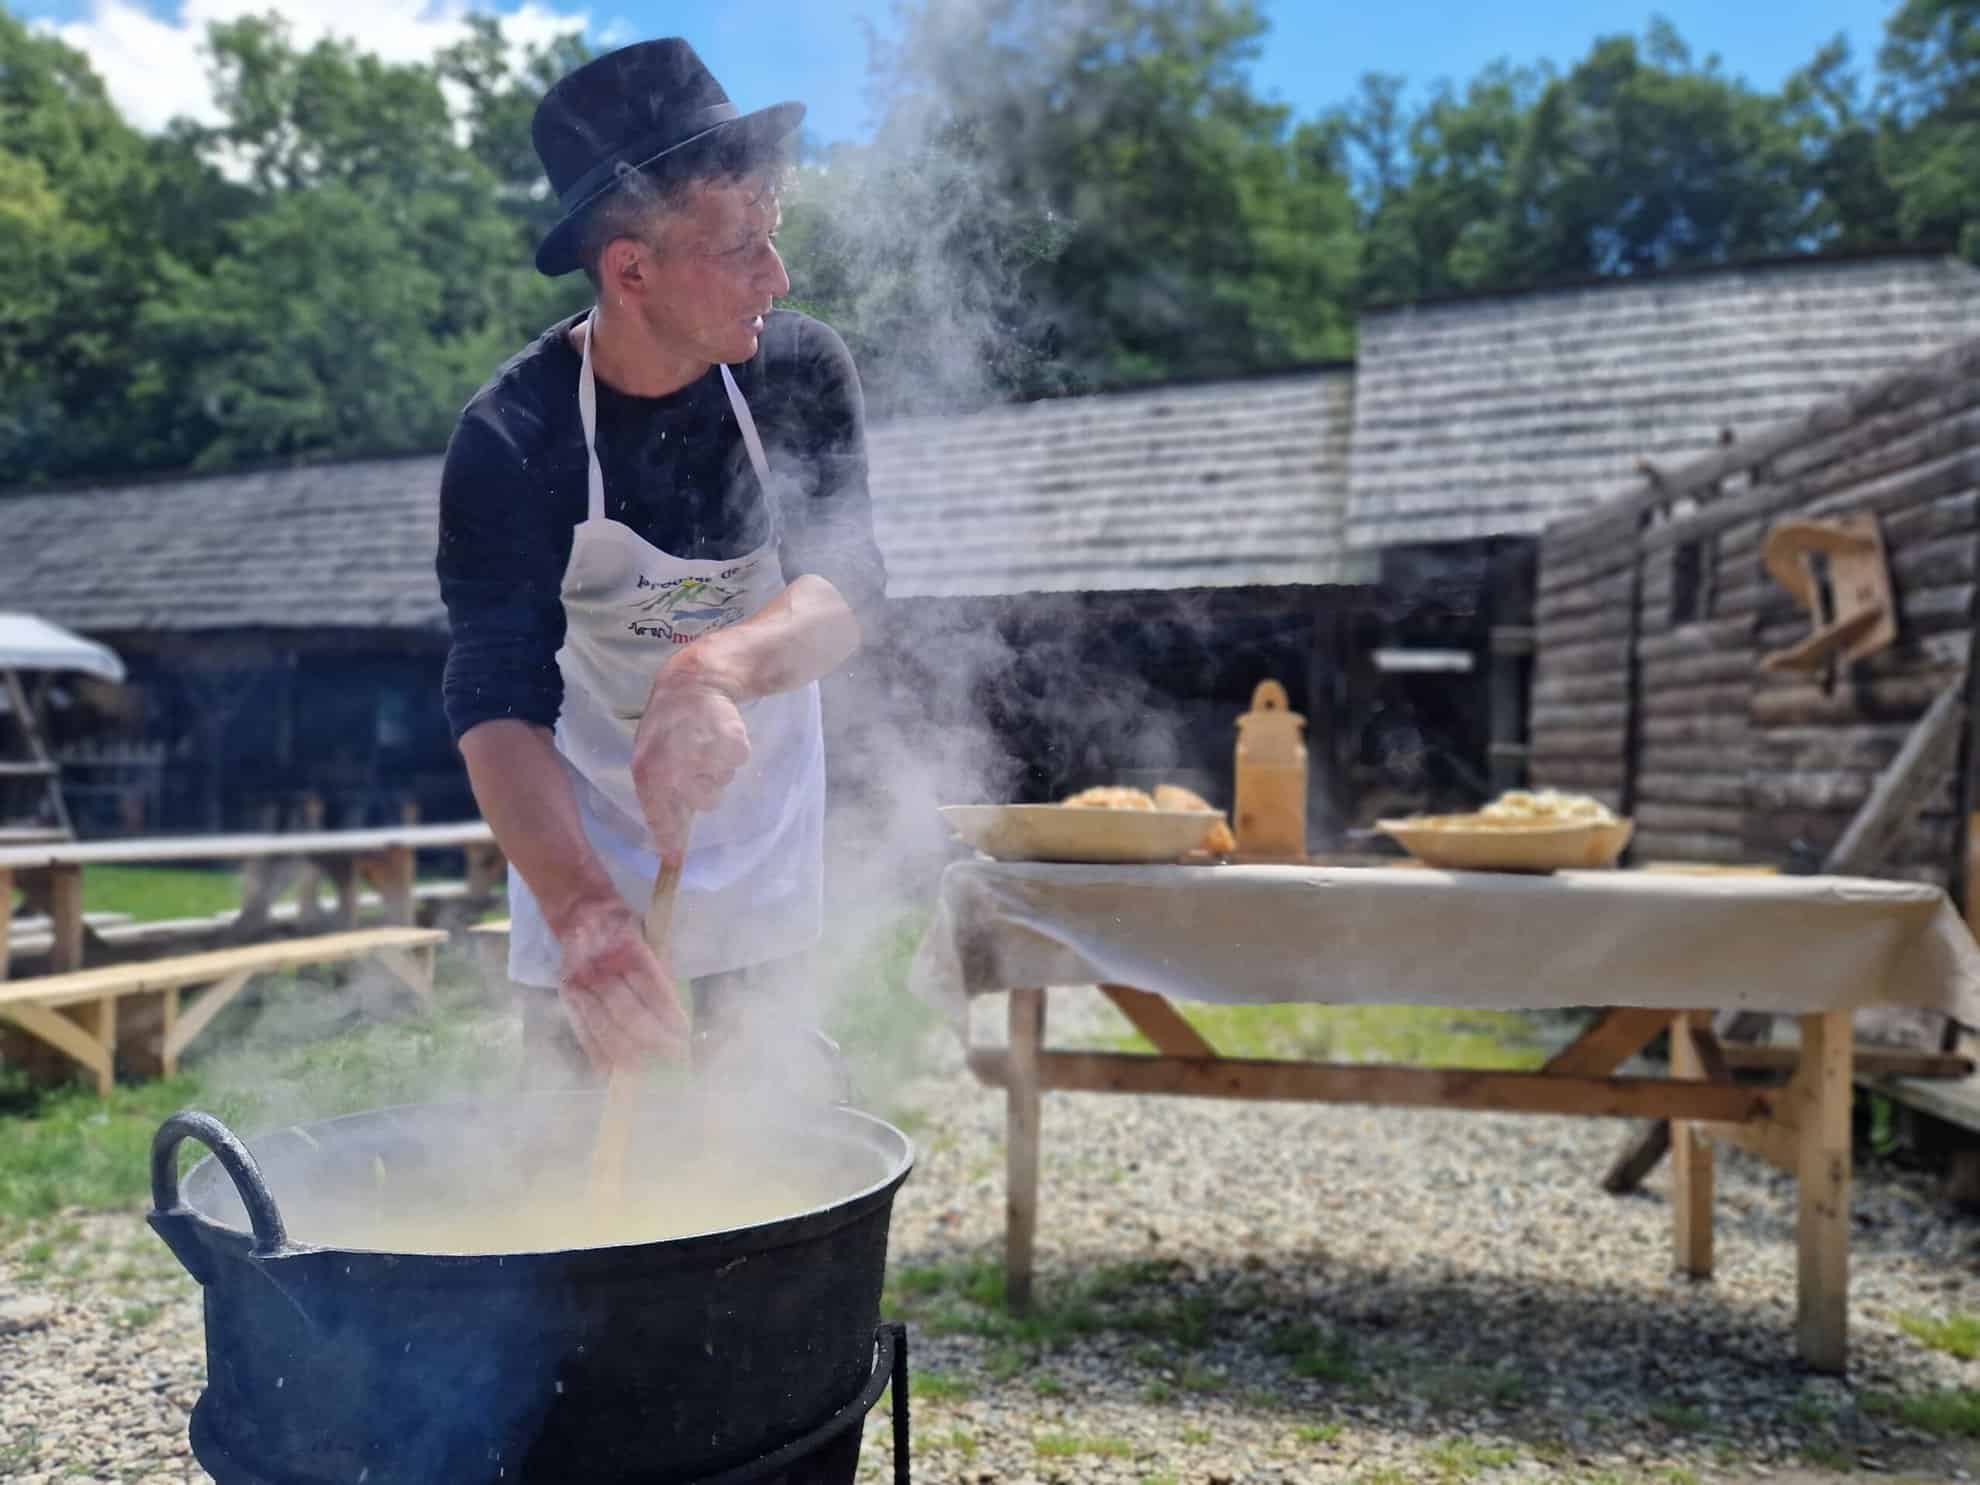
(1233, 1293)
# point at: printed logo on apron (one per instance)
(752, 884)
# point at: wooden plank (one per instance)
(192, 1019)
(1159, 1021)
(1403, 1087)
(146, 850)
(199, 969)
(66, 1036)
(1918, 769)
(6, 919)
(64, 904)
(1694, 788)
(1614, 1037)
(412, 968)
(1823, 1184)
(1691, 1159)
(1871, 1062)
(1022, 1106)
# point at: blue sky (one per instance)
(815, 50)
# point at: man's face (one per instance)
(715, 271)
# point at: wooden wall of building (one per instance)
(1654, 611)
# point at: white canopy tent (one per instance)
(30, 643)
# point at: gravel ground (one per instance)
(1233, 1293)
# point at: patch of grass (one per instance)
(967, 1298)
(1323, 1355)
(1388, 1474)
(1952, 1413)
(1197, 1436)
(136, 1317)
(1048, 1385)
(1317, 1433)
(1006, 1362)
(1810, 1411)
(937, 1387)
(879, 1025)
(1678, 1417)
(1163, 1479)
(1470, 1386)
(1158, 1393)
(1675, 1474)
(1956, 1335)
(299, 1053)
(20, 1450)
(38, 1254)
(1428, 1036)
(1200, 1379)
(149, 893)
(963, 1443)
(1458, 1460)
(1068, 1446)
(1827, 1456)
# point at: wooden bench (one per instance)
(76, 1013)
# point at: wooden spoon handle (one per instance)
(608, 1151)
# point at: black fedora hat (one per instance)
(649, 106)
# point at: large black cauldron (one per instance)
(654, 1362)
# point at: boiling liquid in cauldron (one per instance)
(403, 1213)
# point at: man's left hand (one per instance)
(690, 745)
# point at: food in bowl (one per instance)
(1217, 840)
(1544, 807)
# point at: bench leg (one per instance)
(412, 968)
(183, 1023)
(1823, 1187)
(1021, 1110)
(91, 1046)
(1692, 1169)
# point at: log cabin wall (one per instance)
(1653, 613)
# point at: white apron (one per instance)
(752, 884)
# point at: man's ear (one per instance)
(622, 265)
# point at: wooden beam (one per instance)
(1902, 789)
(1159, 1021)
(1022, 1105)
(1823, 1183)
(1692, 1172)
(65, 1036)
(191, 1020)
(1406, 1087)
(1871, 1062)
(1617, 1035)
(412, 968)
(6, 917)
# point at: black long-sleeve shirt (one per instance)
(513, 488)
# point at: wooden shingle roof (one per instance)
(1494, 415)
(1227, 484)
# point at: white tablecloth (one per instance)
(1404, 935)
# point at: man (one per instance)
(655, 538)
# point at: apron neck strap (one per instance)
(588, 416)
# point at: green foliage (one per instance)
(1056, 197)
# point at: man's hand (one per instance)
(689, 747)
(620, 998)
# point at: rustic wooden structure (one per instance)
(1655, 611)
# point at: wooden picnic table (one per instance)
(49, 875)
(1652, 952)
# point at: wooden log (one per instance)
(1688, 846)
(1946, 561)
(1573, 537)
(1597, 595)
(1823, 1180)
(1801, 704)
(1670, 758)
(1720, 636)
(1578, 717)
(1713, 669)
(1906, 484)
(1726, 698)
(1692, 788)
(1586, 774)
(1933, 610)
(1828, 791)
(1380, 1085)
(1549, 688)
(1879, 431)
(1602, 657)
(1583, 628)
(1907, 526)
(1558, 573)
(1688, 818)
(1592, 743)
(1731, 731)
(1921, 766)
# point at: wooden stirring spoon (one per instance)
(608, 1150)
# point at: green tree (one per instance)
(1931, 106)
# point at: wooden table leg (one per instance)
(1021, 1108)
(1823, 1185)
(6, 916)
(65, 915)
(1691, 1162)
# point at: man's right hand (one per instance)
(621, 1000)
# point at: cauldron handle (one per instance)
(270, 1235)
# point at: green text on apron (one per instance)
(751, 886)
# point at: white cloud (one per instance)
(157, 69)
